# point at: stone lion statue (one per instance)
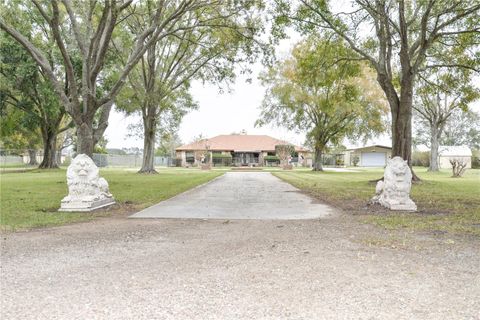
(394, 191)
(86, 189)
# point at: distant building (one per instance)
(240, 149)
(368, 156)
(447, 153)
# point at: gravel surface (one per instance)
(331, 268)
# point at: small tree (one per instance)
(459, 166)
(284, 151)
(203, 156)
(355, 160)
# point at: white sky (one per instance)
(217, 114)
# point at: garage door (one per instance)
(373, 159)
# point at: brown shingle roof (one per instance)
(238, 143)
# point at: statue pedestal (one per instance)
(407, 206)
(84, 205)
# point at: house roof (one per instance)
(238, 143)
(457, 151)
(372, 146)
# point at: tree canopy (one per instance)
(398, 38)
(317, 92)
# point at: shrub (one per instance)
(221, 156)
(178, 162)
(421, 158)
(459, 166)
(355, 160)
(271, 158)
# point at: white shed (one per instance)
(447, 153)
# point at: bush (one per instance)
(421, 158)
(355, 160)
(221, 156)
(178, 162)
(459, 166)
(271, 158)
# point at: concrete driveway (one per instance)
(240, 195)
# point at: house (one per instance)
(447, 153)
(368, 156)
(238, 150)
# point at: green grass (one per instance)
(445, 204)
(31, 199)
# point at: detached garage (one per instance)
(369, 156)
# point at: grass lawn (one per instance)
(445, 204)
(31, 199)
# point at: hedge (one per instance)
(271, 158)
(221, 156)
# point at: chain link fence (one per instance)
(12, 159)
(127, 160)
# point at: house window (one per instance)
(189, 157)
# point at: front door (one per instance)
(244, 159)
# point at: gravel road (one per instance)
(331, 268)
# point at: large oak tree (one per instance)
(209, 52)
(25, 87)
(318, 92)
(397, 37)
(84, 32)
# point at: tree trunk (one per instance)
(402, 131)
(401, 111)
(149, 128)
(317, 164)
(32, 155)
(49, 151)
(85, 139)
(434, 145)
